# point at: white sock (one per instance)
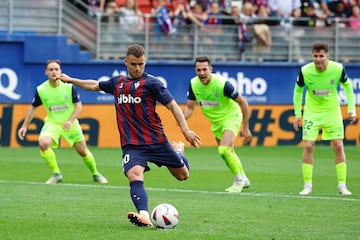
(144, 213)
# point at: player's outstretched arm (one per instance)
(91, 85)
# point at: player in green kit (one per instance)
(321, 78)
(62, 104)
(226, 109)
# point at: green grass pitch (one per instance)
(270, 209)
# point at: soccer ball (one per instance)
(165, 216)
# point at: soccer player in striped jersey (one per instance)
(322, 78)
(142, 134)
(62, 104)
(227, 110)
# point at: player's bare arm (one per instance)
(245, 131)
(189, 135)
(29, 116)
(297, 123)
(91, 85)
(77, 110)
(189, 109)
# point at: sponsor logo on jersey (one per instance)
(321, 93)
(122, 99)
(58, 108)
(208, 103)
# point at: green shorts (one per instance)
(55, 131)
(232, 123)
(331, 124)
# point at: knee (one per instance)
(44, 146)
(224, 151)
(182, 177)
(309, 146)
(337, 146)
(135, 174)
(81, 149)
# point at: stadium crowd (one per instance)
(254, 19)
(201, 12)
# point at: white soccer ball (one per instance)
(165, 216)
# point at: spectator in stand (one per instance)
(354, 21)
(262, 13)
(95, 7)
(111, 9)
(215, 18)
(205, 4)
(234, 13)
(180, 18)
(110, 21)
(197, 15)
(257, 3)
(162, 21)
(309, 16)
(131, 18)
(213, 24)
(254, 30)
(339, 7)
(341, 12)
(285, 9)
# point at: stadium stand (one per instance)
(39, 21)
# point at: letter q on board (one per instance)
(8, 90)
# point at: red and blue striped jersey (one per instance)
(135, 102)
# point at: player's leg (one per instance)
(232, 160)
(75, 138)
(139, 197)
(307, 166)
(340, 165)
(334, 131)
(179, 148)
(135, 164)
(49, 137)
(310, 132)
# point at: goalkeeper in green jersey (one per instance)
(227, 110)
(321, 78)
(62, 104)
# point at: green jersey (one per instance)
(322, 88)
(215, 98)
(58, 101)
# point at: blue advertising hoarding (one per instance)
(270, 83)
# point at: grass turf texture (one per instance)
(270, 209)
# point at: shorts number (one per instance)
(125, 159)
(308, 125)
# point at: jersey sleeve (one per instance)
(297, 94)
(36, 101)
(75, 95)
(190, 94)
(109, 85)
(349, 93)
(230, 91)
(161, 93)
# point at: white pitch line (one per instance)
(277, 195)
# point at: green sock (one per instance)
(89, 161)
(231, 159)
(50, 160)
(307, 170)
(341, 172)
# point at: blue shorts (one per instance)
(161, 154)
